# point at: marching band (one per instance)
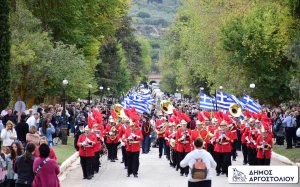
(222, 134)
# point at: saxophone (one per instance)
(113, 133)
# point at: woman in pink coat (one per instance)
(46, 176)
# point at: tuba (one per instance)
(235, 110)
(166, 107)
(119, 110)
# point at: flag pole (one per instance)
(216, 100)
(200, 99)
(201, 88)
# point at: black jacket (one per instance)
(22, 130)
(25, 170)
(78, 133)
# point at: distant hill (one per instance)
(151, 19)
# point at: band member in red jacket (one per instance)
(122, 131)
(233, 129)
(97, 147)
(264, 146)
(133, 136)
(201, 132)
(170, 137)
(223, 148)
(86, 144)
(183, 140)
(160, 129)
(251, 134)
(243, 128)
(112, 139)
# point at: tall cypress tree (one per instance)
(4, 54)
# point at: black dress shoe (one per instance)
(181, 174)
(112, 161)
(84, 177)
(186, 175)
(135, 175)
(116, 159)
(226, 175)
(89, 177)
(122, 162)
(245, 163)
(128, 175)
(234, 159)
(159, 156)
(218, 174)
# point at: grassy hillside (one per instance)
(151, 19)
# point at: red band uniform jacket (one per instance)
(183, 146)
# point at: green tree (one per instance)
(112, 71)
(258, 42)
(38, 66)
(4, 54)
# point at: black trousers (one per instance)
(289, 136)
(133, 162)
(210, 149)
(96, 163)
(173, 157)
(239, 140)
(87, 166)
(223, 162)
(245, 153)
(280, 140)
(263, 161)
(181, 156)
(124, 155)
(168, 152)
(252, 156)
(234, 145)
(23, 185)
(112, 149)
(204, 183)
(161, 143)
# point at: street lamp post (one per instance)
(252, 86)
(64, 129)
(101, 89)
(90, 86)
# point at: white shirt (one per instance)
(6, 137)
(31, 121)
(206, 157)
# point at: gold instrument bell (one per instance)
(166, 107)
(119, 110)
(235, 110)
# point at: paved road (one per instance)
(154, 172)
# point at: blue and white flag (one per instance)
(250, 104)
(225, 100)
(140, 101)
(206, 102)
(234, 99)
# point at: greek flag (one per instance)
(140, 101)
(250, 104)
(235, 99)
(206, 102)
(225, 100)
